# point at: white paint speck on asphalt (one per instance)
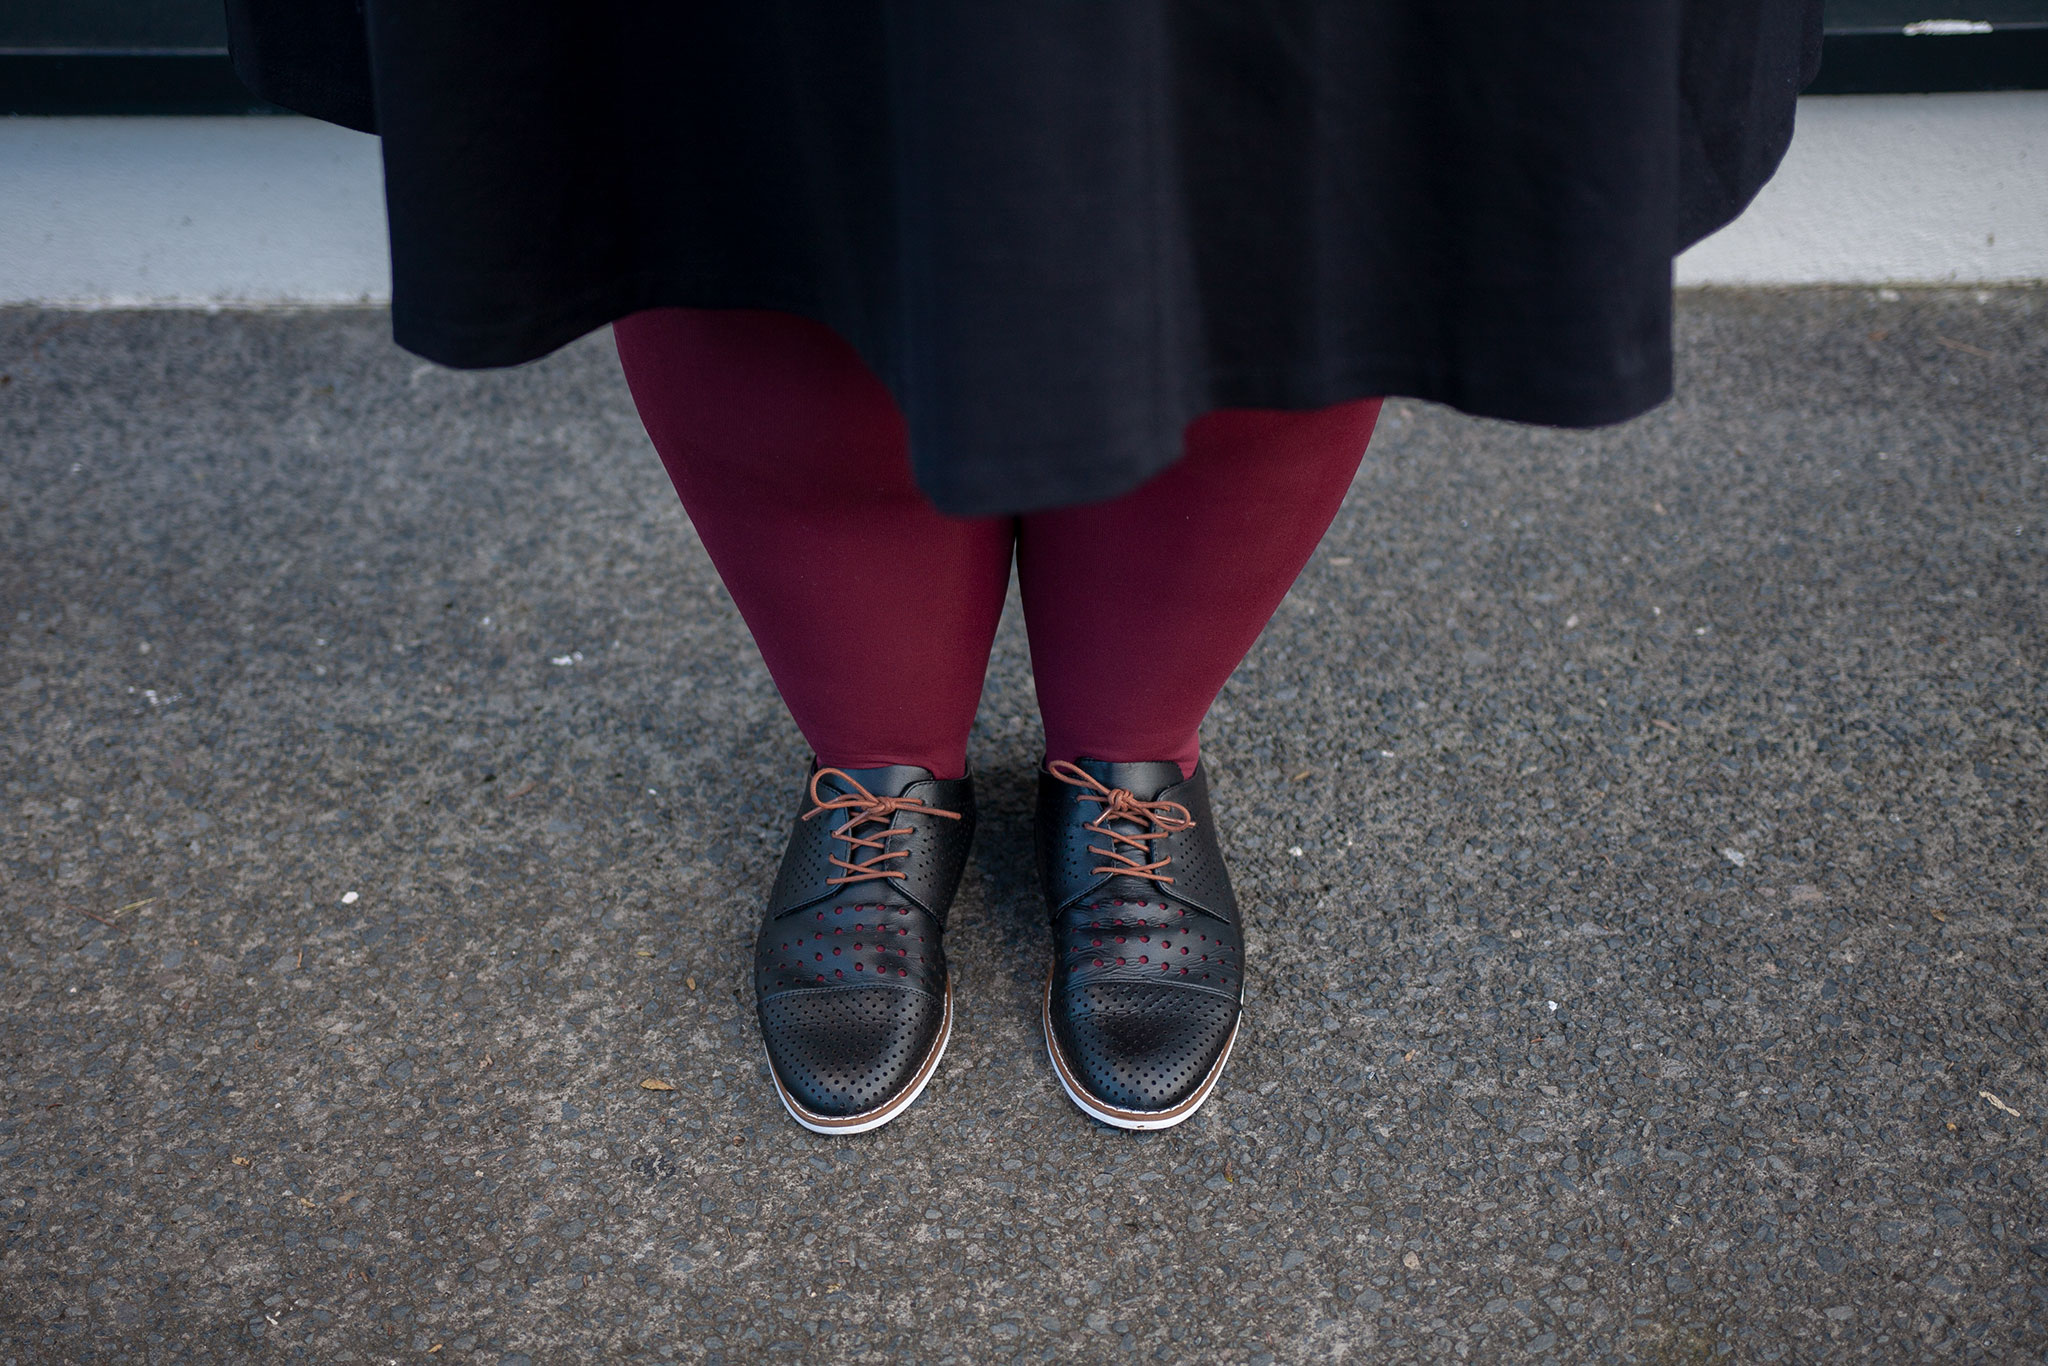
(350, 898)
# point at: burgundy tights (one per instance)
(875, 613)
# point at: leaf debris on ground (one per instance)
(1999, 1105)
(1952, 344)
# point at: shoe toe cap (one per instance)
(1143, 1048)
(840, 1052)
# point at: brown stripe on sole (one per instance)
(873, 1119)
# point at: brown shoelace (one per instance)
(867, 807)
(1164, 818)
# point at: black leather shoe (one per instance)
(1147, 982)
(849, 969)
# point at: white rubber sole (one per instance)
(1132, 1119)
(835, 1126)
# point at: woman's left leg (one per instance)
(1138, 610)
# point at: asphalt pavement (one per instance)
(1641, 833)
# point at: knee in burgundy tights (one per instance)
(875, 613)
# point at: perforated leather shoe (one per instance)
(1147, 984)
(850, 967)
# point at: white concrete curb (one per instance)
(185, 212)
(1896, 189)
(252, 212)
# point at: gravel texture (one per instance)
(1640, 829)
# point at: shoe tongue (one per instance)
(1144, 780)
(889, 780)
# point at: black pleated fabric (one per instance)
(1059, 231)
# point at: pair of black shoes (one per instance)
(1146, 987)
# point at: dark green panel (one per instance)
(116, 25)
(1891, 47)
(1891, 64)
(124, 83)
(1894, 15)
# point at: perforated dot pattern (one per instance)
(1148, 978)
(1155, 941)
(850, 944)
(1199, 874)
(1142, 1047)
(850, 979)
(1068, 869)
(936, 848)
(844, 1051)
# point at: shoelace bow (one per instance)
(1163, 818)
(867, 807)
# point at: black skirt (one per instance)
(1059, 231)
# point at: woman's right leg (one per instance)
(874, 613)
